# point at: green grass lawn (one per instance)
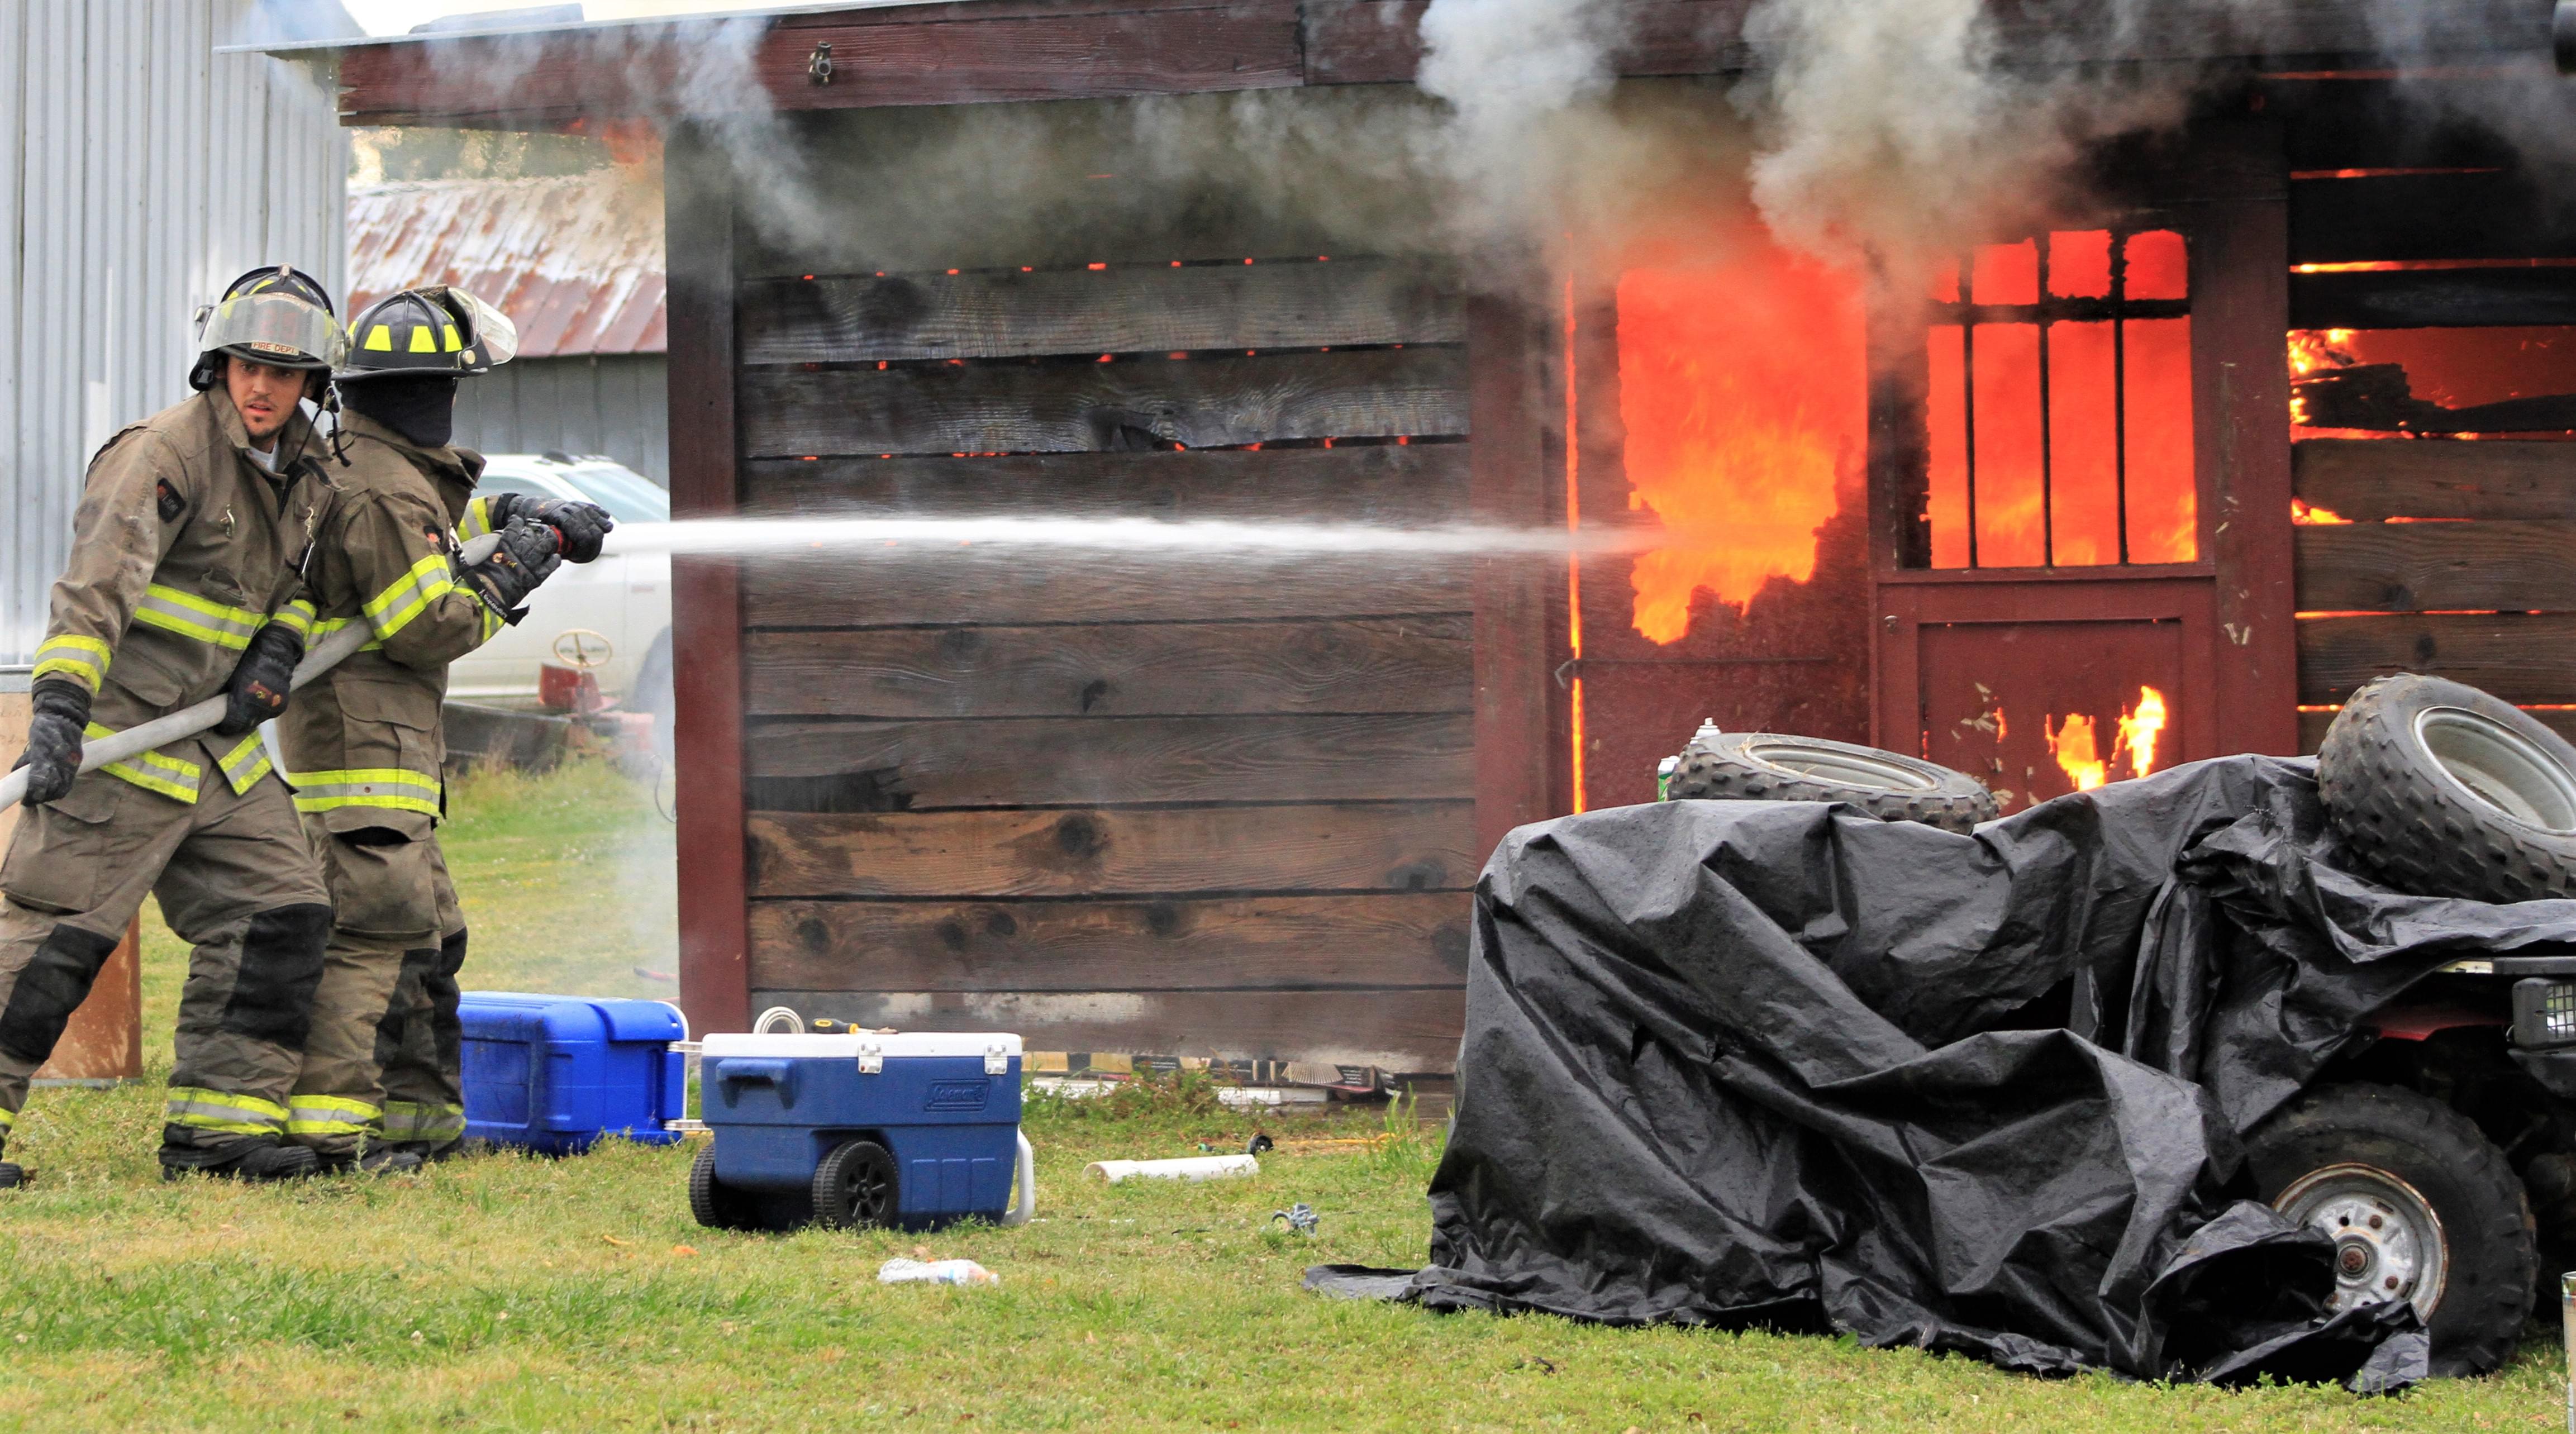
(501, 1292)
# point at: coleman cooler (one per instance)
(914, 1130)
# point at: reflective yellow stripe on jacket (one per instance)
(246, 763)
(205, 620)
(296, 617)
(330, 625)
(403, 599)
(82, 657)
(223, 1111)
(365, 787)
(153, 772)
(329, 1115)
(478, 519)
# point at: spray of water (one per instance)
(854, 536)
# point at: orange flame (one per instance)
(1743, 388)
(2138, 733)
(2307, 515)
(2314, 349)
(2073, 747)
(2075, 743)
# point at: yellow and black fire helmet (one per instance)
(272, 315)
(436, 332)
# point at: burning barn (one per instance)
(2131, 428)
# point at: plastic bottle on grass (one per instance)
(935, 1272)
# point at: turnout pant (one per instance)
(236, 881)
(385, 1052)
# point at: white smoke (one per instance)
(1903, 128)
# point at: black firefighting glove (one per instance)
(584, 525)
(527, 556)
(260, 680)
(61, 716)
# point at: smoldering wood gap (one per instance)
(1210, 806)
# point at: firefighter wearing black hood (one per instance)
(363, 744)
(186, 547)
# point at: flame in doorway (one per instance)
(2076, 743)
(1743, 391)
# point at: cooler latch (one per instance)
(871, 1057)
(997, 1059)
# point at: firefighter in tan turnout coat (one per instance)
(185, 550)
(363, 744)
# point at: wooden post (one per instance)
(2240, 318)
(1509, 487)
(706, 607)
(104, 1041)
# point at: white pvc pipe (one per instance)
(1024, 1208)
(189, 721)
(1194, 1167)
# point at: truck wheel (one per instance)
(1771, 767)
(2447, 791)
(717, 1205)
(855, 1187)
(2420, 1205)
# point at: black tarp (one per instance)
(1738, 1063)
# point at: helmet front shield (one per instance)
(488, 331)
(274, 328)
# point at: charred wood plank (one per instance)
(1359, 42)
(2433, 298)
(1173, 943)
(1116, 851)
(2520, 657)
(2365, 479)
(1406, 485)
(1394, 1030)
(1066, 761)
(1104, 407)
(1124, 310)
(2313, 727)
(2378, 396)
(2446, 567)
(1412, 664)
(2499, 214)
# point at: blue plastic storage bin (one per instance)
(555, 1073)
(944, 1108)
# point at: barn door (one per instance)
(2051, 623)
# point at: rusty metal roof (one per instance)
(574, 260)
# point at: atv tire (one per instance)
(2420, 1205)
(2443, 790)
(1771, 767)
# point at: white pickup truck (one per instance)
(611, 617)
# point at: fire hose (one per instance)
(187, 722)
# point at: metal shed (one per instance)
(139, 172)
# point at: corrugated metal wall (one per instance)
(139, 171)
(617, 404)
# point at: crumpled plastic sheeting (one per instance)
(1738, 1063)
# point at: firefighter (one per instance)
(364, 746)
(185, 550)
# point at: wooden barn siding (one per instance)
(1212, 805)
(2483, 595)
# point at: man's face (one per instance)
(264, 394)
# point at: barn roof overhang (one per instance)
(990, 51)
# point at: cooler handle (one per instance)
(778, 1073)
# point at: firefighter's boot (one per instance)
(258, 1161)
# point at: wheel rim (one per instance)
(2388, 1242)
(1850, 769)
(864, 1193)
(2499, 767)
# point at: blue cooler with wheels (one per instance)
(912, 1130)
(555, 1073)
